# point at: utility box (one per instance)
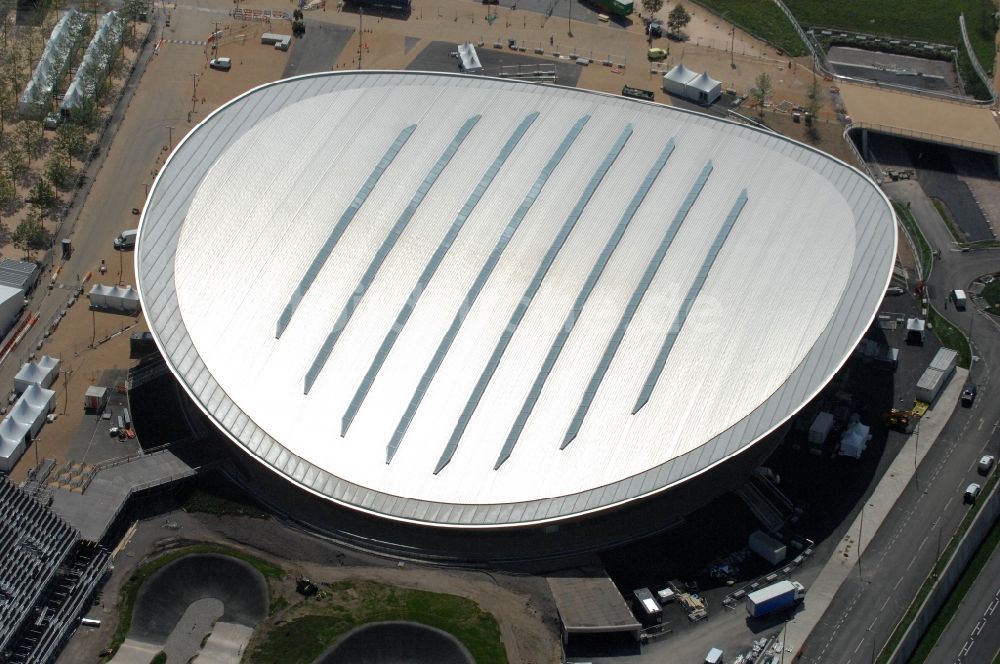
(95, 399)
(916, 330)
(649, 611)
(820, 428)
(767, 547)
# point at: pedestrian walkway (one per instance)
(186, 42)
(882, 501)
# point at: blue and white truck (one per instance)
(775, 597)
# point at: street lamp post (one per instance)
(570, 28)
(170, 137)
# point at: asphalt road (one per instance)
(973, 635)
(869, 604)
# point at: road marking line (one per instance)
(898, 581)
(912, 560)
(884, 603)
(859, 646)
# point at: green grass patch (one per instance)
(991, 294)
(762, 19)
(130, 589)
(160, 658)
(948, 221)
(950, 336)
(957, 595)
(946, 555)
(221, 503)
(910, 224)
(927, 20)
(345, 605)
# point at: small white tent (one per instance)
(42, 373)
(676, 80)
(115, 298)
(704, 89)
(12, 445)
(31, 409)
(855, 440)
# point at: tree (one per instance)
(72, 140)
(678, 18)
(43, 196)
(15, 165)
(813, 109)
(59, 170)
(30, 234)
(8, 193)
(31, 134)
(762, 92)
(652, 6)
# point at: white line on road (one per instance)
(912, 560)
(859, 646)
(948, 504)
(885, 602)
(898, 581)
(922, 542)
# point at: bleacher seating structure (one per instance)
(47, 576)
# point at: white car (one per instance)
(972, 492)
(986, 464)
(222, 64)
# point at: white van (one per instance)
(958, 297)
(126, 240)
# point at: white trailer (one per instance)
(767, 547)
(820, 429)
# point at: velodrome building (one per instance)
(447, 302)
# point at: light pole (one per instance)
(861, 526)
(361, 36)
(570, 28)
(732, 48)
(170, 137)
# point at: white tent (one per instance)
(12, 444)
(96, 62)
(116, 298)
(53, 64)
(676, 80)
(31, 409)
(704, 89)
(42, 373)
(855, 440)
(700, 88)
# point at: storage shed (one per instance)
(820, 428)
(96, 398)
(11, 304)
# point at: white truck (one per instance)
(958, 297)
(126, 240)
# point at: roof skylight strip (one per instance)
(387, 245)
(688, 303)
(430, 269)
(345, 219)
(633, 305)
(529, 293)
(581, 301)
(479, 283)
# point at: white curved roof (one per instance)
(476, 302)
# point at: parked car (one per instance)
(972, 492)
(969, 394)
(655, 30)
(895, 290)
(222, 64)
(655, 54)
(986, 464)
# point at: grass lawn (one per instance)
(951, 337)
(308, 628)
(127, 595)
(906, 218)
(953, 228)
(222, 502)
(992, 296)
(761, 18)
